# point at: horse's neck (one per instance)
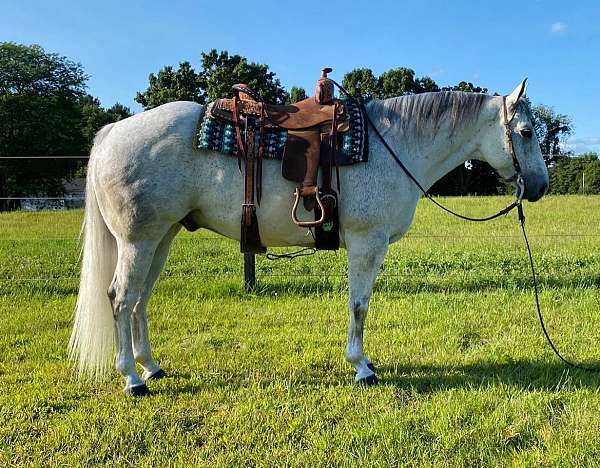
(449, 149)
(431, 156)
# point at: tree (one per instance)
(397, 82)
(426, 85)
(466, 87)
(551, 129)
(94, 117)
(567, 174)
(297, 94)
(168, 85)
(361, 82)
(39, 115)
(220, 71)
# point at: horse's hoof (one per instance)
(371, 366)
(159, 374)
(137, 390)
(368, 381)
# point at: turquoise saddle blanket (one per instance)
(215, 134)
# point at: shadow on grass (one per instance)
(423, 380)
(273, 286)
(526, 375)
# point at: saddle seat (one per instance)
(302, 115)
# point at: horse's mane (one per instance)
(424, 112)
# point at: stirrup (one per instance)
(295, 219)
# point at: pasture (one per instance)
(260, 380)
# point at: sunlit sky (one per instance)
(493, 44)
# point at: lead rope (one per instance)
(537, 303)
(516, 204)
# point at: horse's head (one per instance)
(512, 148)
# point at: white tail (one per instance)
(92, 341)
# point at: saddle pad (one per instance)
(216, 134)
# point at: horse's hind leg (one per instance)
(133, 265)
(139, 325)
(366, 251)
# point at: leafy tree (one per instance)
(466, 87)
(118, 112)
(39, 115)
(168, 85)
(591, 172)
(397, 82)
(94, 117)
(220, 71)
(44, 111)
(426, 85)
(551, 129)
(362, 82)
(297, 94)
(567, 174)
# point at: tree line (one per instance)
(45, 109)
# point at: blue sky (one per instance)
(491, 43)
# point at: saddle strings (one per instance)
(516, 204)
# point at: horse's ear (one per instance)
(513, 98)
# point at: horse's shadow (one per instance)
(426, 379)
(273, 286)
(526, 375)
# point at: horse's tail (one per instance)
(92, 340)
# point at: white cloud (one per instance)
(558, 28)
(583, 144)
(437, 71)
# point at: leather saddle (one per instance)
(312, 127)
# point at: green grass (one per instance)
(466, 376)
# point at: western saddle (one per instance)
(312, 127)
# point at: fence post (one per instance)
(249, 271)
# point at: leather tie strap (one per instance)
(259, 157)
(238, 133)
(249, 177)
(334, 157)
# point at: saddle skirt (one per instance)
(215, 130)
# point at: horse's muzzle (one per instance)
(534, 190)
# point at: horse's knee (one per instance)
(359, 308)
(124, 365)
(142, 356)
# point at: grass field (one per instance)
(260, 380)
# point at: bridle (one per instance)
(508, 136)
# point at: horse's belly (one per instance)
(221, 197)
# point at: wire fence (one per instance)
(331, 266)
(264, 272)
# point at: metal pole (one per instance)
(249, 271)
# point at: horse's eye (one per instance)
(526, 132)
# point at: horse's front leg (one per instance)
(366, 251)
